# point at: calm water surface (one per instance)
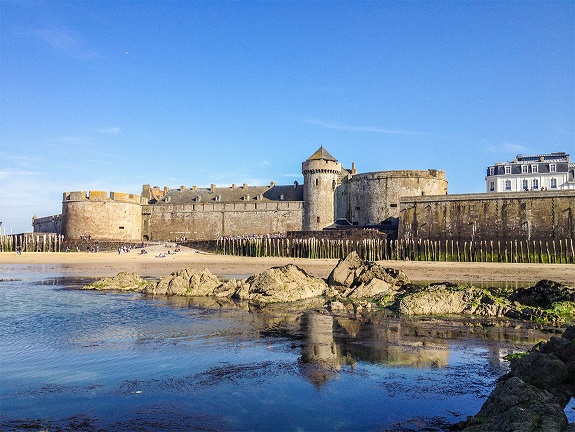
(86, 360)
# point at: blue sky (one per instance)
(113, 95)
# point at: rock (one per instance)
(446, 298)
(434, 299)
(533, 395)
(281, 284)
(186, 282)
(544, 294)
(229, 288)
(517, 406)
(374, 288)
(123, 281)
(354, 278)
(344, 273)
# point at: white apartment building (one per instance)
(551, 171)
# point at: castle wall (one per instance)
(204, 221)
(48, 224)
(544, 215)
(116, 217)
(374, 197)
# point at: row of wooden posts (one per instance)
(31, 242)
(515, 251)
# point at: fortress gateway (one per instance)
(330, 193)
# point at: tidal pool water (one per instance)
(87, 360)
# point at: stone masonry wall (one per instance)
(374, 197)
(543, 215)
(48, 224)
(117, 217)
(205, 221)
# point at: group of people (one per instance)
(253, 236)
(124, 249)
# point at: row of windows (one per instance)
(524, 185)
(524, 169)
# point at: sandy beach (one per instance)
(110, 263)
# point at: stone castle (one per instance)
(408, 203)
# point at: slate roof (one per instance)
(238, 194)
(322, 153)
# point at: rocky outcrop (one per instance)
(186, 282)
(445, 298)
(281, 284)
(355, 286)
(354, 278)
(533, 395)
(123, 281)
(544, 294)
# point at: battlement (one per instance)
(103, 196)
(426, 174)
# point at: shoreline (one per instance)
(104, 264)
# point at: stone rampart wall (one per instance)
(544, 215)
(205, 221)
(374, 197)
(48, 224)
(97, 215)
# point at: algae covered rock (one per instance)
(281, 284)
(186, 282)
(544, 294)
(123, 281)
(533, 395)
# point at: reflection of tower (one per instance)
(321, 175)
(320, 358)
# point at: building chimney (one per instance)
(182, 188)
(212, 187)
(233, 185)
(272, 184)
(245, 185)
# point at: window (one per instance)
(507, 185)
(525, 184)
(491, 186)
(507, 170)
(317, 219)
(534, 168)
(553, 183)
(524, 169)
(491, 171)
(333, 184)
(535, 184)
(317, 182)
(552, 168)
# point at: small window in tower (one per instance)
(317, 182)
(393, 205)
(317, 219)
(333, 184)
(357, 208)
(121, 227)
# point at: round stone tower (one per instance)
(321, 173)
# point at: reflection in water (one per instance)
(321, 358)
(127, 361)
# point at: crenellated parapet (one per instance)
(99, 196)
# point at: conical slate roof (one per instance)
(322, 153)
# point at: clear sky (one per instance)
(111, 95)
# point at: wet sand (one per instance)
(110, 263)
